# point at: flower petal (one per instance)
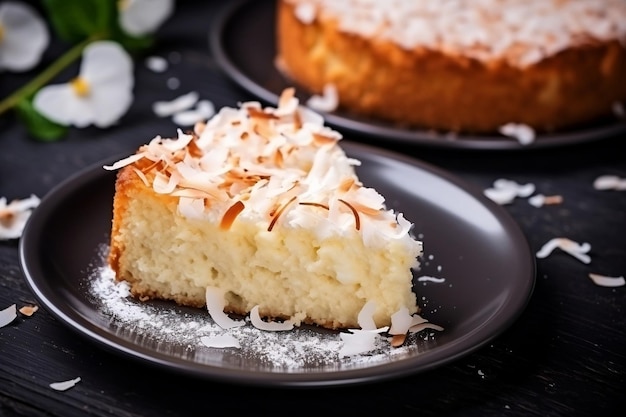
(108, 71)
(25, 37)
(60, 104)
(141, 17)
(107, 61)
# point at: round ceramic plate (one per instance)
(482, 263)
(242, 41)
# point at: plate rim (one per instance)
(379, 372)
(427, 138)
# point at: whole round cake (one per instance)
(460, 65)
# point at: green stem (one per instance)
(47, 75)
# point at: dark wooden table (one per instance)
(565, 355)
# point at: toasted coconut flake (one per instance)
(220, 341)
(142, 177)
(346, 184)
(273, 326)
(321, 140)
(28, 310)
(279, 213)
(366, 316)
(397, 340)
(7, 315)
(213, 167)
(123, 162)
(357, 219)
(606, 281)
(13, 216)
(256, 113)
(320, 205)
(287, 103)
(215, 302)
(231, 214)
(65, 385)
(541, 200)
(577, 250)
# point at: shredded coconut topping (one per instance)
(519, 32)
(281, 166)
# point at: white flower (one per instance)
(23, 37)
(13, 216)
(100, 95)
(141, 17)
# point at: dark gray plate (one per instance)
(242, 42)
(469, 241)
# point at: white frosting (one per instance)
(517, 31)
(279, 166)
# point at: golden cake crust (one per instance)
(431, 89)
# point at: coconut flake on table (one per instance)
(269, 326)
(577, 250)
(177, 105)
(609, 182)
(8, 315)
(28, 310)
(504, 191)
(606, 281)
(203, 111)
(327, 102)
(13, 216)
(524, 134)
(156, 63)
(541, 200)
(220, 341)
(65, 385)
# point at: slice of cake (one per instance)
(263, 205)
(460, 65)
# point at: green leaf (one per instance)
(75, 20)
(37, 125)
(132, 44)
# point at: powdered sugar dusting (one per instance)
(183, 332)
